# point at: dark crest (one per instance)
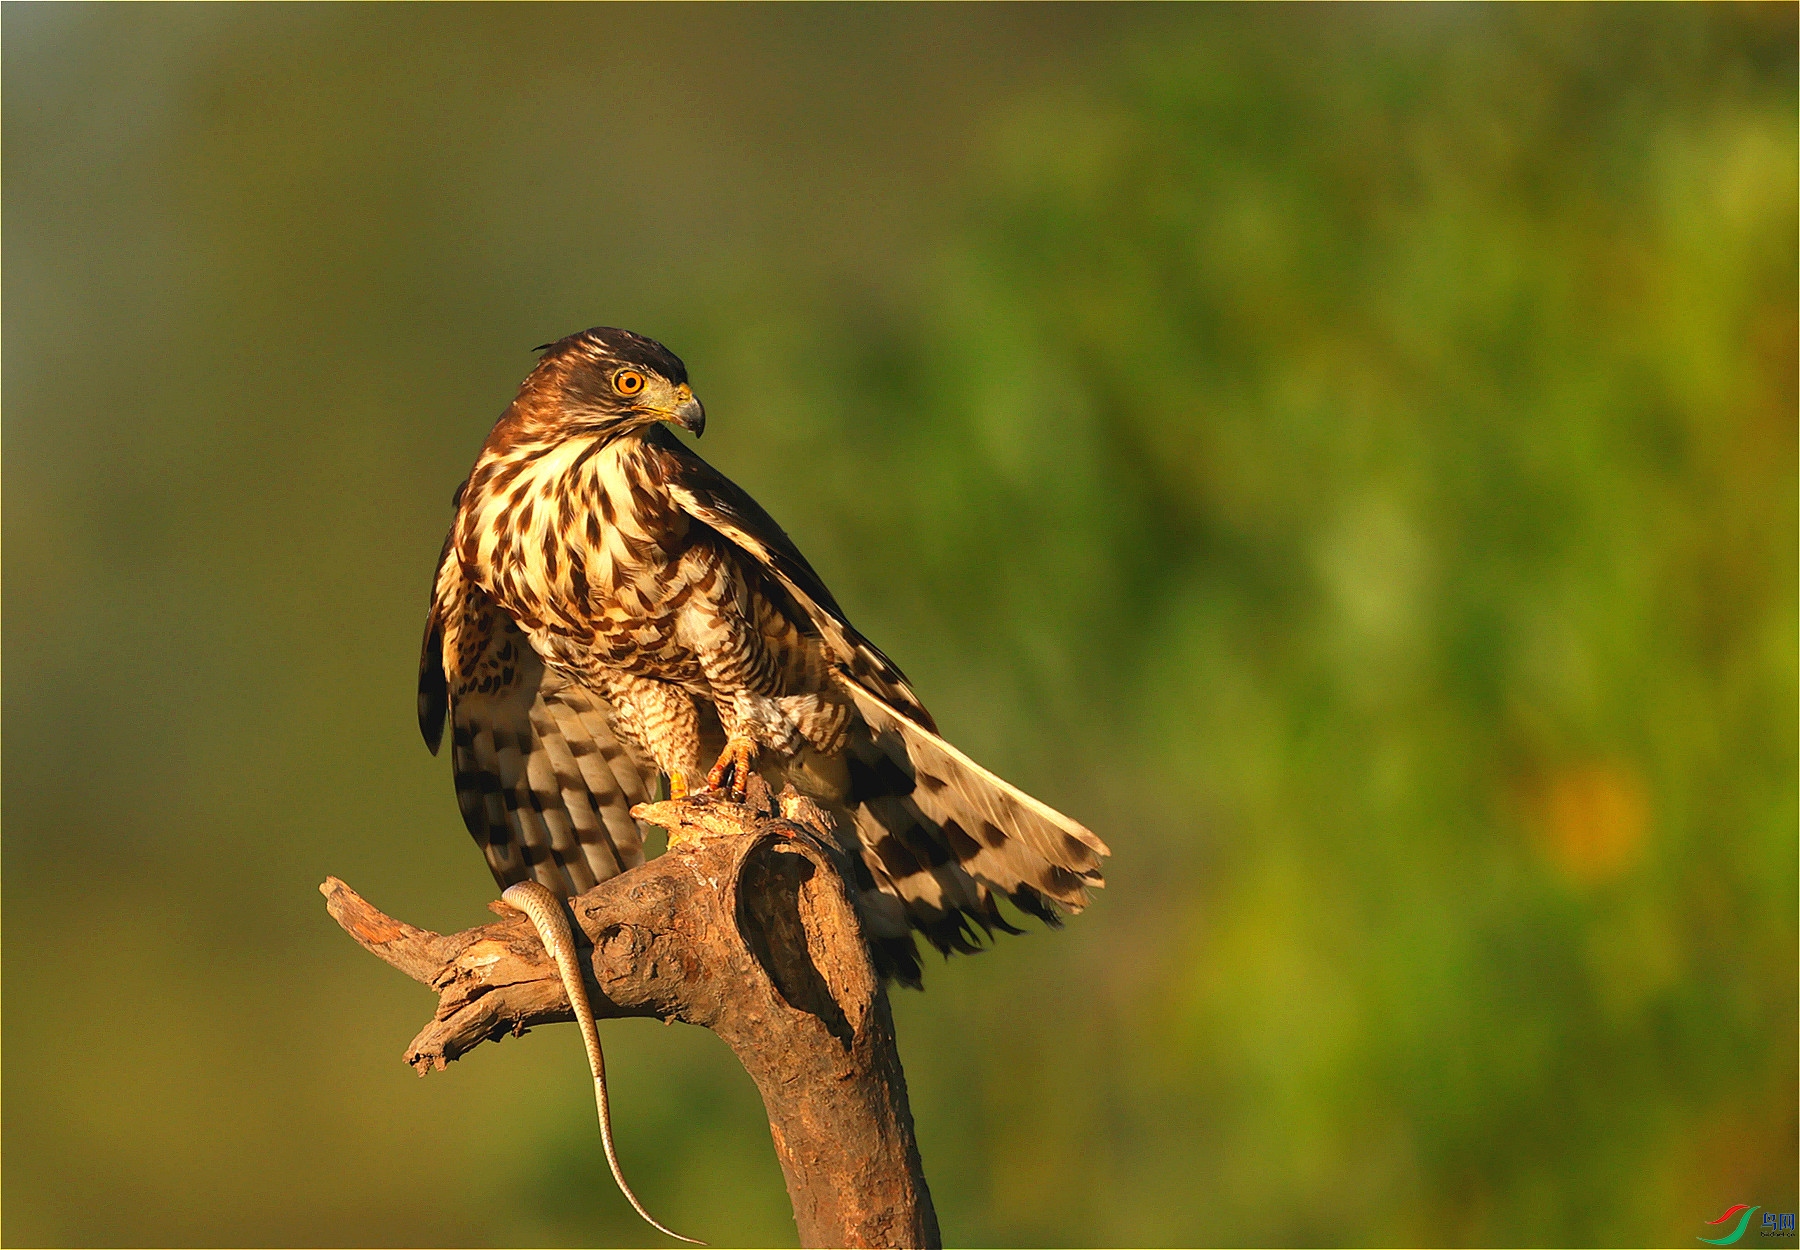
(610, 345)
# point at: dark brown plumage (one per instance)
(609, 607)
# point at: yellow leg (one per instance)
(678, 787)
(735, 761)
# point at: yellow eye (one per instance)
(628, 382)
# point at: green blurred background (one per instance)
(1346, 456)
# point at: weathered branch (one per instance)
(746, 928)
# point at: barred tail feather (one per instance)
(942, 834)
(545, 786)
(540, 791)
(595, 773)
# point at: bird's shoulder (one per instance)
(728, 509)
(710, 497)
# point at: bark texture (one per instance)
(746, 927)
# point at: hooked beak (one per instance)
(690, 416)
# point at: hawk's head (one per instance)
(610, 381)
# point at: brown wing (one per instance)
(545, 786)
(939, 834)
(710, 497)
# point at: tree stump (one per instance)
(746, 927)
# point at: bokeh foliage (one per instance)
(1345, 455)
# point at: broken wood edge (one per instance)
(773, 961)
(495, 979)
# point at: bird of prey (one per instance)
(609, 611)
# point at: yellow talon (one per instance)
(735, 759)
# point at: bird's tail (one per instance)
(941, 837)
(545, 786)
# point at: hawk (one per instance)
(610, 610)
